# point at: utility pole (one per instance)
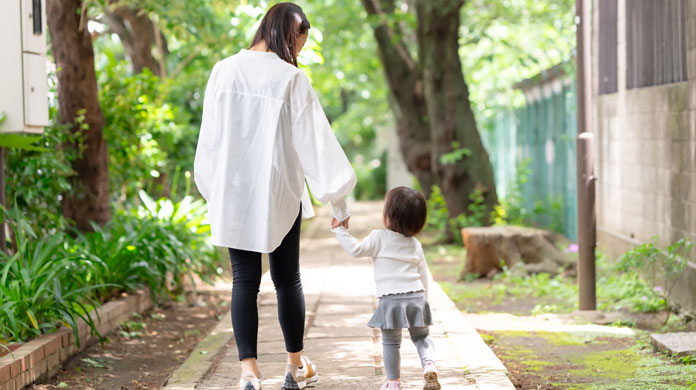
(587, 224)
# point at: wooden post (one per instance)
(585, 159)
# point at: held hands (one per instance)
(336, 223)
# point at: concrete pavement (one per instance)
(340, 299)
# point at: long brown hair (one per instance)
(280, 27)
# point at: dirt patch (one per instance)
(146, 350)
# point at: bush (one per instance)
(652, 272)
(372, 178)
(42, 286)
(57, 280)
(187, 221)
(439, 220)
(147, 245)
(37, 177)
(512, 209)
(147, 136)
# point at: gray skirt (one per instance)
(398, 311)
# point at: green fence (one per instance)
(541, 137)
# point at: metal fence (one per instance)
(539, 139)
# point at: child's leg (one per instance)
(391, 343)
(424, 343)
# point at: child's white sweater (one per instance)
(399, 262)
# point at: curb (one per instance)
(201, 359)
(482, 364)
(41, 357)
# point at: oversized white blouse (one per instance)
(263, 133)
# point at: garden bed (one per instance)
(42, 356)
(144, 351)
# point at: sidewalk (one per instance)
(340, 299)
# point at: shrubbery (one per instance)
(53, 281)
(510, 211)
(53, 275)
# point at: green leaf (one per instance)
(32, 318)
(455, 155)
(93, 363)
(19, 141)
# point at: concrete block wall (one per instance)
(646, 159)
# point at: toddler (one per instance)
(401, 277)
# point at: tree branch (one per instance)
(117, 25)
(377, 10)
(160, 47)
(185, 62)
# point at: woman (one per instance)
(262, 135)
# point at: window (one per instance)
(655, 42)
(608, 68)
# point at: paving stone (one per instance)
(680, 344)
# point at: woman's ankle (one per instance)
(295, 358)
(249, 367)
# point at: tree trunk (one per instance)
(137, 33)
(404, 78)
(451, 119)
(77, 91)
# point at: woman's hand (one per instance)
(336, 223)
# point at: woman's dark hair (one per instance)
(405, 211)
(281, 26)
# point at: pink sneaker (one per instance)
(431, 378)
(391, 385)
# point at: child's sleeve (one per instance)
(423, 270)
(367, 248)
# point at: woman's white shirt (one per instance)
(398, 261)
(263, 133)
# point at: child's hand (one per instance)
(336, 223)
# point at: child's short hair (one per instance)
(405, 210)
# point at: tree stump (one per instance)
(533, 250)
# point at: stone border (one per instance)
(677, 344)
(198, 364)
(482, 364)
(41, 357)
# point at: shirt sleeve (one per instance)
(202, 165)
(369, 247)
(423, 270)
(327, 169)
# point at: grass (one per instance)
(567, 360)
(589, 361)
(617, 289)
(506, 292)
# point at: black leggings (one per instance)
(285, 272)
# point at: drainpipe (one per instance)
(587, 224)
